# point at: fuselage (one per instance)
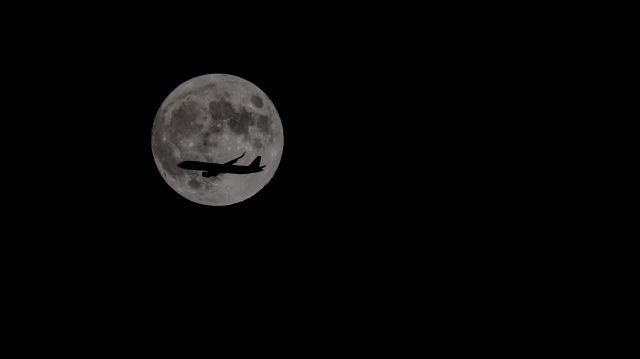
(218, 168)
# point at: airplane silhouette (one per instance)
(214, 169)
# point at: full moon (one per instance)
(216, 118)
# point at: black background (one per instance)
(399, 155)
(422, 179)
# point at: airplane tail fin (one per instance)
(256, 163)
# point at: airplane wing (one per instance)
(194, 165)
(233, 160)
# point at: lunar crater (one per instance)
(257, 101)
(195, 184)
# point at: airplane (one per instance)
(214, 169)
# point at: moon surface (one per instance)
(216, 118)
